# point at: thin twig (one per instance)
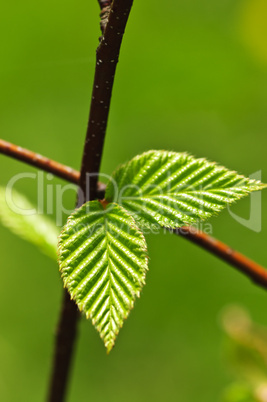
(39, 161)
(64, 348)
(254, 271)
(46, 164)
(107, 58)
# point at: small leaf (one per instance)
(103, 262)
(35, 228)
(174, 189)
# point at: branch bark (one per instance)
(107, 56)
(254, 271)
(46, 164)
(106, 60)
(64, 348)
(39, 161)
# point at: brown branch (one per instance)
(107, 58)
(64, 348)
(254, 271)
(46, 164)
(39, 161)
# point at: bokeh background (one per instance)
(192, 77)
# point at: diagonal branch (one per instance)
(254, 271)
(44, 163)
(39, 161)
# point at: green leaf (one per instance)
(103, 262)
(174, 189)
(35, 228)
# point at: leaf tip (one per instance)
(109, 346)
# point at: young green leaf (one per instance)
(35, 228)
(103, 262)
(174, 189)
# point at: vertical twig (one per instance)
(107, 56)
(64, 346)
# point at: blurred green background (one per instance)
(192, 77)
